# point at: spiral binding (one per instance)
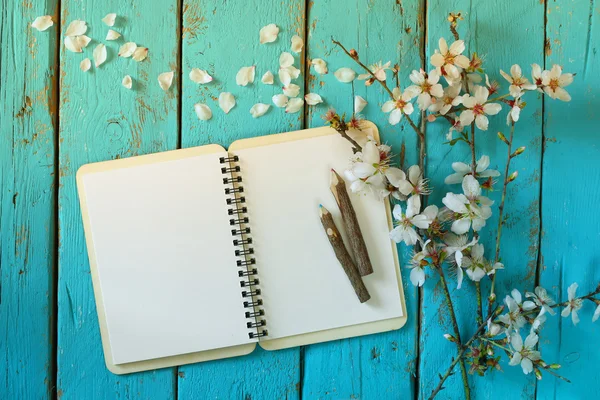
(241, 233)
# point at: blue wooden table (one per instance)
(54, 118)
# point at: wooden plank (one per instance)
(571, 181)
(28, 79)
(521, 44)
(383, 365)
(101, 120)
(221, 38)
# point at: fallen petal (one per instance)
(200, 76)
(359, 104)
(284, 76)
(72, 44)
(286, 60)
(280, 100)
(82, 40)
(99, 55)
(226, 101)
(203, 112)
(267, 78)
(76, 28)
(109, 19)
(245, 76)
(313, 99)
(127, 49)
(268, 34)
(165, 80)
(320, 65)
(291, 90)
(297, 44)
(345, 75)
(42, 23)
(85, 65)
(140, 54)
(112, 35)
(127, 82)
(259, 109)
(294, 105)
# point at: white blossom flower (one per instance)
(377, 70)
(99, 55)
(320, 65)
(406, 223)
(469, 208)
(473, 264)
(456, 126)
(596, 314)
(425, 86)
(85, 64)
(461, 170)
(312, 99)
(478, 108)
(517, 81)
(574, 304)
(42, 23)
(294, 105)
(245, 75)
(198, 75)
(259, 109)
(268, 33)
(493, 329)
(417, 265)
(400, 105)
(345, 75)
(450, 98)
(109, 19)
(525, 353)
(368, 169)
(297, 44)
(542, 299)
(165, 80)
(359, 104)
(555, 81)
(536, 76)
(414, 186)
(515, 110)
(76, 28)
(538, 322)
(513, 319)
(127, 82)
(280, 100)
(450, 61)
(291, 90)
(203, 111)
(112, 35)
(127, 49)
(226, 102)
(267, 78)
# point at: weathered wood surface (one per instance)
(54, 118)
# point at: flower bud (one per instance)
(450, 338)
(354, 54)
(518, 151)
(554, 366)
(538, 373)
(502, 137)
(431, 118)
(513, 176)
(492, 297)
(370, 81)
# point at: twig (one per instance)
(479, 306)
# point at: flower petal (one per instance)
(109, 19)
(284, 76)
(280, 100)
(259, 109)
(267, 78)
(165, 80)
(417, 276)
(492, 108)
(112, 35)
(313, 99)
(127, 49)
(286, 60)
(203, 111)
(42, 23)
(99, 55)
(294, 105)
(291, 90)
(345, 75)
(320, 65)
(140, 54)
(226, 101)
(198, 75)
(127, 82)
(76, 28)
(85, 65)
(482, 122)
(245, 76)
(268, 33)
(297, 44)
(359, 104)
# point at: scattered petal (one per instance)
(109, 19)
(127, 49)
(76, 43)
(284, 76)
(313, 99)
(259, 109)
(76, 28)
(140, 54)
(99, 55)
(226, 101)
(286, 60)
(245, 76)
(200, 76)
(297, 44)
(280, 100)
(203, 112)
(268, 34)
(165, 80)
(294, 105)
(291, 90)
(42, 23)
(359, 104)
(112, 35)
(345, 75)
(267, 78)
(85, 65)
(320, 65)
(127, 82)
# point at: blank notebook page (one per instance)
(304, 288)
(165, 258)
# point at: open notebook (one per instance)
(199, 254)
